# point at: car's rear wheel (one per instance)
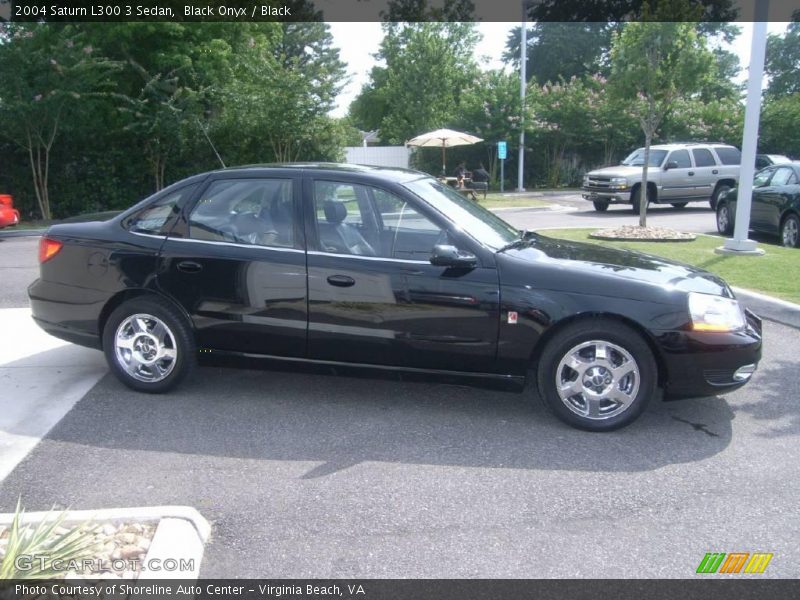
(724, 218)
(597, 375)
(790, 232)
(679, 204)
(600, 205)
(148, 345)
(720, 189)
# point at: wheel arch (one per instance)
(651, 185)
(548, 336)
(121, 297)
(729, 182)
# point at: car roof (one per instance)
(395, 174)
(684, 145)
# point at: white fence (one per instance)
(379, 156)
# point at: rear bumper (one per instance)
(706, 364)
(67, 312)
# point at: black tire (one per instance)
(790, 231)
(601, 205)
(617, 335)
(176, 339)
(636, 198)
(718, 191)
(724, 218)
(679, 204)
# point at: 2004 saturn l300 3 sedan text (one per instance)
(386, 268)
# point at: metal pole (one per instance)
(758, 44)
(523, 57)
(502, 174)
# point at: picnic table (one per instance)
(464, 189)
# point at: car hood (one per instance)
(589, 268)
(619, 171)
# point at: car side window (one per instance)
(782, 176)
(703, 157)
(762, 177)
(258, 212)
(153, 219)
(729, 156)
(368, 221)
(682, 158)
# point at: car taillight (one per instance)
(48, 249)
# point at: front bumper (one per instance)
(618, 195)
(701, 363)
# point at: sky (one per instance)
(357, 42)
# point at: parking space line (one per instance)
(41, 379)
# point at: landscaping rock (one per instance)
(646, 234)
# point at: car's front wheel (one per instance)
(597, 375)
(601, 205)
(724, 218)
(148, 345)
(790, 232)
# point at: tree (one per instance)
(654, 62)
(421, 10)
(782, 63)
(490, 108)
(427, 67)
(47, 71)
(775, 135)
(562, 50)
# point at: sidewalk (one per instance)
(767, 307)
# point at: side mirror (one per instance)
(671, 164)
(450, 256)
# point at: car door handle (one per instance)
(691, 173)
(714, 171)
(341, 280)
(189, 266)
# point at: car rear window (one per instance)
(729, 155)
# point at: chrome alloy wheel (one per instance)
(723, 221)
(790, 233)
(145, 348)
(597, 380)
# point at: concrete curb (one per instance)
(21, 233)
(180, 536)
(773, 309)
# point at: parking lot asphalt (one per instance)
(309, 474)
(314, 475)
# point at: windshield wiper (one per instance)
(524, 236)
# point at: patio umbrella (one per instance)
(443, 138)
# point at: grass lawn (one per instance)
(498, 201)
(775, 273)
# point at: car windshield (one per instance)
(636, 158)
(469, 216)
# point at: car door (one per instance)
(236, 263)
(677, 182)
(775, 198)
(759, 211)
(374, 296)
(706, 172)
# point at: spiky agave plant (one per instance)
(42, 542)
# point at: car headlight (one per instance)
(618, 180)
(715, 313)
(585, 179)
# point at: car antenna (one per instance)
(205, 133)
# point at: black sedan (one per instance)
(775, 208)
(387, 269)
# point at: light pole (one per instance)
(739, 244)
(523, 57)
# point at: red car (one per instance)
(8, 214)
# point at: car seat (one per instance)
(342, 236)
